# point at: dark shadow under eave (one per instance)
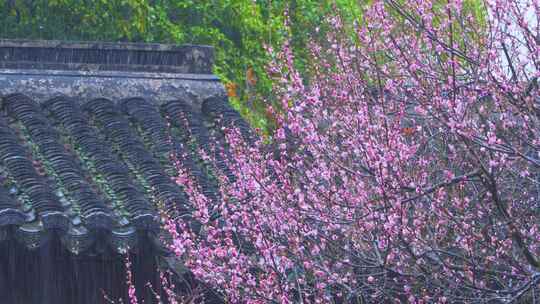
(50, 274)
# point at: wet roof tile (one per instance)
(83, 167)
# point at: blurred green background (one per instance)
(238, 29)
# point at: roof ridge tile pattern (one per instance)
(100, 170)
(117, 56)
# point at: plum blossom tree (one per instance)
(404, 169)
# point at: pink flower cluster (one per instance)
(404, 168)
(129, 282)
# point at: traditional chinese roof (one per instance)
(87, 134)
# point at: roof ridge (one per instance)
(112, 56)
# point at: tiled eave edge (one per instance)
(157, 86)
